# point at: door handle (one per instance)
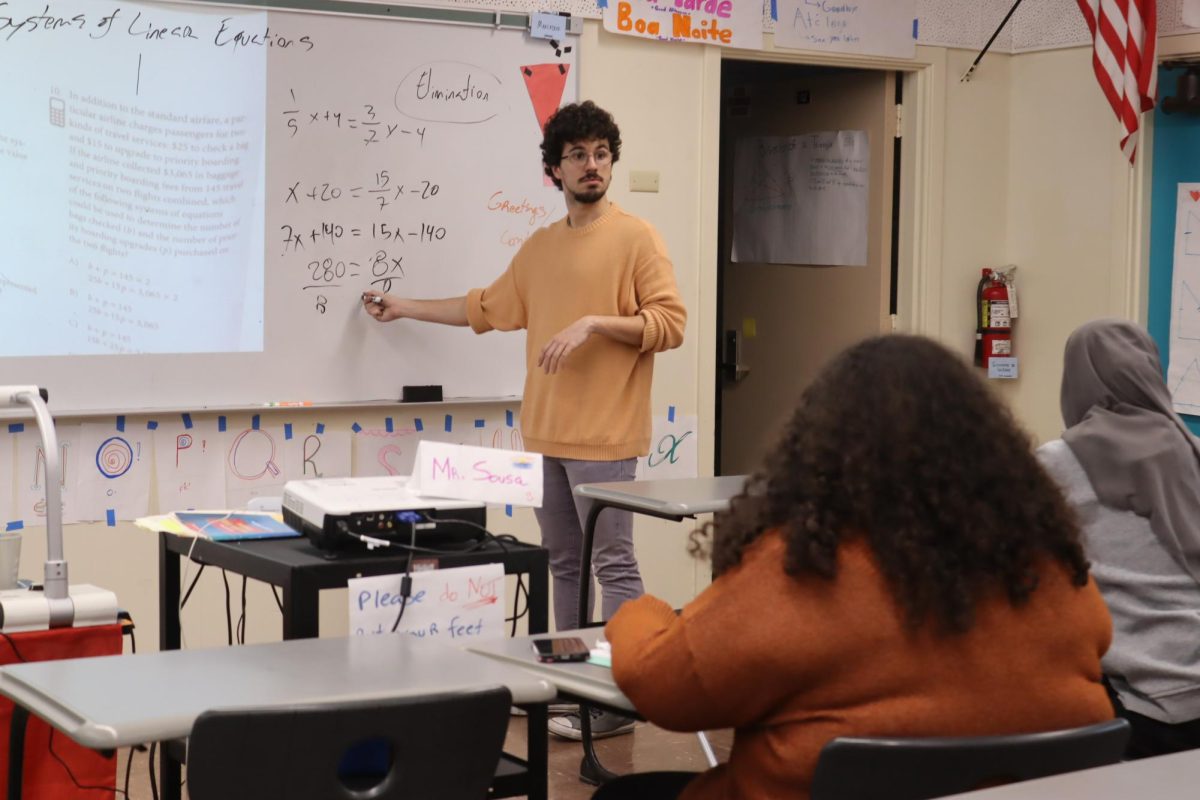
(731, 367)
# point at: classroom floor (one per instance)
(647, 748)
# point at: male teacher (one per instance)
(596, 293)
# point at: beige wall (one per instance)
(1020, 166)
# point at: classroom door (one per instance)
(786, 321)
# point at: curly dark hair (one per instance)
(898, 441)
(577, 122)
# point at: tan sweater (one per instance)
(597, 406)
(793, 663)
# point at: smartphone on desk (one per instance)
(570, 648)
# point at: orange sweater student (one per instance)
(877, 578)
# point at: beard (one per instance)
(590, 196)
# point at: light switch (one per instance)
(643, 180)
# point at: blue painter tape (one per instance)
(320, 427)
(222, 424)
(508, 511)
(187, 420)
(670, 413)
(355, 427)
(388, 425)
(15, 525)
(916, 27)
(16, 427)
(774, 11)
(449, 423)
(508, 418)
(417, 424)
(287, 430)
(151, 425)
(601, 3)
(110, 517)
(121, 422)
(255, 421)
(479, 423)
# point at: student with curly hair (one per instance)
(901, 566)
(1131, 469)
(595, 293)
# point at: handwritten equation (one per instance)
(365, 124)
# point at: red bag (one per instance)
(44, 775)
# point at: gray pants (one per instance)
(562, 517)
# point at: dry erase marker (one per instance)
(376, 299)
(290, 404)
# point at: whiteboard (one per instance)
(206, 193)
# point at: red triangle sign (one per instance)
(545, 83)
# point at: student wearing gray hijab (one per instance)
(1131, 469)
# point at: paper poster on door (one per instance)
(801, 199)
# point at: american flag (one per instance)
(1123, 36)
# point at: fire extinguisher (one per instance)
(995, 304)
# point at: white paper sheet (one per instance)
(114, 471)
(802, 199)
(189, 465)
(457, 605)
(1183, 372)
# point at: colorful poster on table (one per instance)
(728, 23)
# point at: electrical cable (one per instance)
(153, 780)
(71, 775)
(241, 626)
(406, 581)
(228, 609)
(411, 517)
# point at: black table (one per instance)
(301, 571)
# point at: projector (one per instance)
(333, 512)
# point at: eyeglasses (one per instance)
(580, 157)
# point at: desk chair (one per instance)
(435, 747)
(921, 768)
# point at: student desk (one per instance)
(1173, 777)
(675, 499)
(302, 571)
(575, 680)
(116, 701)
